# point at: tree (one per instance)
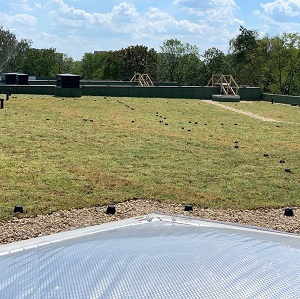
(114, 66)
(67, 64)
(42, 62)
(87, 66)
(76, 67)
(175, 61)
(192, 70)
(93, 65)
(273, 63)
(277, 64)
(171, 52)
(124, 63)
(243, 49)
(216, 62)
(262, 65)
(285, 55)
(12, 51)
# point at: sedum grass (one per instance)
(64, 153)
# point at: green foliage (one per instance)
(124, 63)
(285, 59)
(179, 62)
(93, 65)
(243, 49)
(192, 70)
(170, 60)
(43, 62)
(243, 44)
(216, 62)
(119, 65)
(270, 62)
(12, 51)
(67, 64)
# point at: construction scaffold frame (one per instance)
(142, 79)
(228, 85)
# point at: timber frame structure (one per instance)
(142, 79)
(228, 85)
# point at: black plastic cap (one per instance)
(288, 212)
(18, 209)
(188, 208)
(111, 209)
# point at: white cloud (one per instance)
(123, 18)
(279, 16)
(23, 5)
(213, 13)
(177, 2)
(223, 3)
(194, 11)
(47, 38)
(64, 14)
(290, 8)
(126, 9)
(17, 20)
(155, 14)
(191, 27)
(38, 5)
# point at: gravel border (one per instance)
(18, 229)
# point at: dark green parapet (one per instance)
(46, 78)
(41, 82)
(184, 92)
(283, 99)
(250, 93)
(206, 92)
(21, 89)
(67, 92)
(166, 84)
(28, 89)
(14, 89)
(45, 89)
(177, 92)
(107, 83)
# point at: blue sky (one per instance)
(75, 27)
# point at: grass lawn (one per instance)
(63, 153)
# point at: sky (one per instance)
(75, 27)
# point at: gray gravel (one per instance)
(24, 228)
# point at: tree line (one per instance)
(271, 63)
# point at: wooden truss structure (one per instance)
(142, 79)
(227, 84)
